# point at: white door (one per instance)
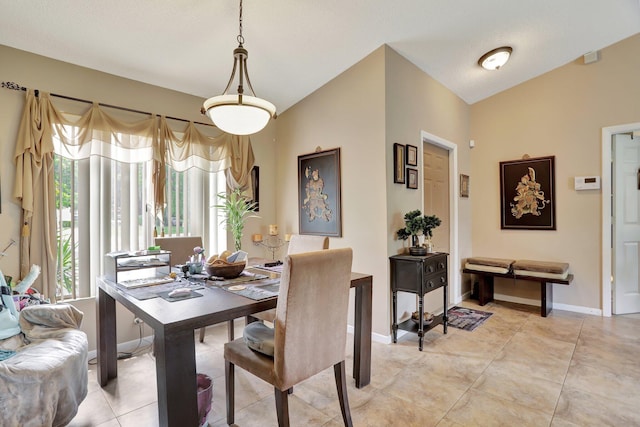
(626, 223)
(436, 192)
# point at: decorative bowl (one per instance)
(226, 270)
(428, 317)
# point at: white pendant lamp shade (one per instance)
(239, 114)
(496, 58)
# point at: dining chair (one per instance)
(181, 248)
(298, 244)
(309, 333)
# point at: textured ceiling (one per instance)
(297, 46)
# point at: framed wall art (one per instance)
(255, 186)
(398, 163)
(412, 178)
(464, 185)
(412, 155)
(527, 194)
(319, 210)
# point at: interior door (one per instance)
(436, 192)
(626, 223)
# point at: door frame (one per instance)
(455, 295)
(607, 170)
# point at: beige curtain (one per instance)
(242, 160)
(34, 189)
(45, 129)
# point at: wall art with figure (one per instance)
(527, 194)
(319, 209)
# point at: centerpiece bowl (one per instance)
(224, 269)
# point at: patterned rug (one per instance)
(466, 318)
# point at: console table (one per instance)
(419, 275)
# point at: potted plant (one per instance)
(415, 224)
(237, 209)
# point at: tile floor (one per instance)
(517, 369)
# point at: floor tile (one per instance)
(517, 368)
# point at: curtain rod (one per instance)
(16, 86)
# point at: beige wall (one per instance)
(48, 75)
(380, 100)
(559, 114)
(348, 112)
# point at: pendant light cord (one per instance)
(240, 38)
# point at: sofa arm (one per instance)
(57, 316)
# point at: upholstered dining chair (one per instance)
(298, 244)
(181, 248)
(309, 334)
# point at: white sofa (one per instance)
(45, 382)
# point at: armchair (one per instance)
(44, 383)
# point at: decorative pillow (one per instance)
(259, 337)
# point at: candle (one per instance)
(257, 237)
(273, 229)
(287, 237)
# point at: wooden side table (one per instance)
(419, 275)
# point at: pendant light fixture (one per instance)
(495, 58)
(239, 114)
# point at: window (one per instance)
(105, 205)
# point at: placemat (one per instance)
(256, 290)
(245, 276)
(149, 292)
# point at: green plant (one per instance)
(237, 209)
(416, 223)
(64, 270)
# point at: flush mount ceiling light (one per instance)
(238, 113)
(495, 58)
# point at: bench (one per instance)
(490, 268)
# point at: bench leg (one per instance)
(546, 298)
(485, 290)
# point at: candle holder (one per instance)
(271, 242)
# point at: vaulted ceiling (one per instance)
(297, 46)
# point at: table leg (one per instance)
(176, 377)
(485, 290)
(394, 324)
(107, 357)
(420, 323)
(546, 298)
(362, 333)
(445, 316)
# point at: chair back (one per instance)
(303, 243)
(311, 314)
(181, 247)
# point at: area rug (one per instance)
(466, 318)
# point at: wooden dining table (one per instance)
(174, 324)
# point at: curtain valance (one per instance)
(45, 129)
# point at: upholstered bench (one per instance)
(544, 272)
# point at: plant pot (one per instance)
(417, 251)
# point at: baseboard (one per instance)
(578, 309)
(557, 306)
(384, 339)
(517, 300)
(126, 347)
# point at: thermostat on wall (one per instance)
(587, 183)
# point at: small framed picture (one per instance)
(464, 185)
(412, 155)
(412, 178)
(398, 163)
